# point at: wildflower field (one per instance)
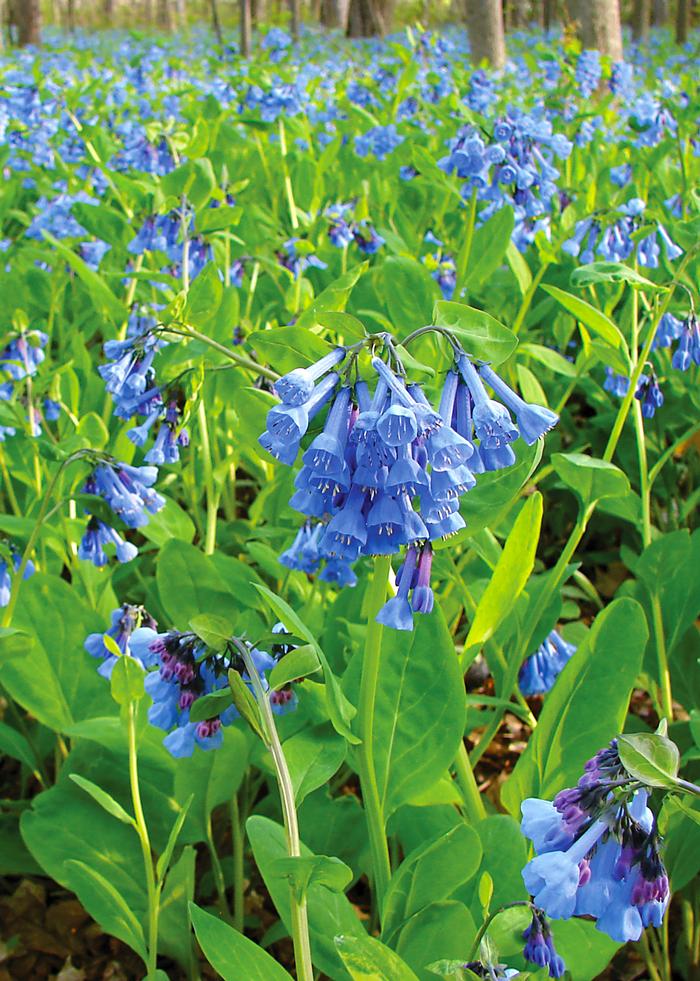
(349, 431)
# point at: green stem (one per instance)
(649, 958)
(240, 359)
(669, 451)
(289, 190)
(466, 250)
(527, 298)
(381, 865)
(300, 925)
(210, 489)
(217, 872)
(467, 784)
(142, 831)
(489, 920)
(238, 880)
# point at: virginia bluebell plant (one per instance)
(125, 620)
(597, 851)
(379, 452)
(541, 669)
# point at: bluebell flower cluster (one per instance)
(124, 621)
(174, 235)
(541, 669)
(297, 260)
(649, 394)
(597, 851)
(589, 72)
(379, 452)
(379, 141)
(129, 493)
(15, 560)
(539, 947)
(615, 242)
(688, 350)
(444, 272)
(344, 229)
(22, 355)
(515, 168)
(186, 671)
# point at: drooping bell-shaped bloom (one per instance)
(541, 669)
(297, 386)
(396, 612)
(492, 422)
(288, 423)
(649, 394)
(533, 420)
(688, 350)
(539, 947)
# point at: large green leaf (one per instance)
(431, 873)
(313, 756)
(591, 317)
(286, 348)
(330, 913)
(54, 678)
(585, 709)
(590, 478)
(441, 930)
(512, 572)
(333, 298)
(481, 335)
(489, 247)
(371, 960)
(496, 490)
(178, 891)
(230, 953)
(409, 292)
(419, 710)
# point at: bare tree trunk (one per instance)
(641, 19)
(257, 11)
(180, 14)
(364, 19)
(520, 13)
(599, 26)
(295, 9)
(660, 13)
(215, 20)
(549, 13)
(682, 21)
(330, 13)
(165, 15)
(108, 12)
(28, 20)
(148, 11)
(485, 29)
(245, 27)
(70, 15)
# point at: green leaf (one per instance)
(170, 522)
(339, 708)
(286, 348)
(429, 874)
(585, 709)
(481, 335)
(371, 960)
(332, 299)
(102, 297)
(611, 272)
(409, 293)
(44, 665)
(321, 869)
(550, 358)
(214, 630)
(509, 578)
(212, 778)
(108, 906)
(453, 969)
(167, 853)
(344, 325)
(591, 479)
(14, 744)
(126, 681)
(204, 297)
(313, 755)
(105, 800)
(209, 706)
(330, 913)
(444, 928)
(592, 318)
(246, 704)
(489, 246)
(494, 493)
(298, 663)
(178, 892)
(519, 267)
(232, 955)
(419, 710)
(650, 758)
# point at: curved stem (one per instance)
(374, 812)
(239, 359)
(489, 920)
(527, 298)
(467, 784)
(142, 831)
(300, 925)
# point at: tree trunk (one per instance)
(682, 21)
(70, 15)
(485, 29)
(28, 19)
(215, 20)
(246, 31)
(599, 26)
(364, 19)
(641, 20)
(660, 13)
(165, 15)
(549, 13)
(295, 9)
(108, 11)
(148, 11)
(520, 13)
(180, 14)
(330, 13)
(258, 11)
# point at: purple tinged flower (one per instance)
(649, 394)
(396, 612)
(422, 599)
